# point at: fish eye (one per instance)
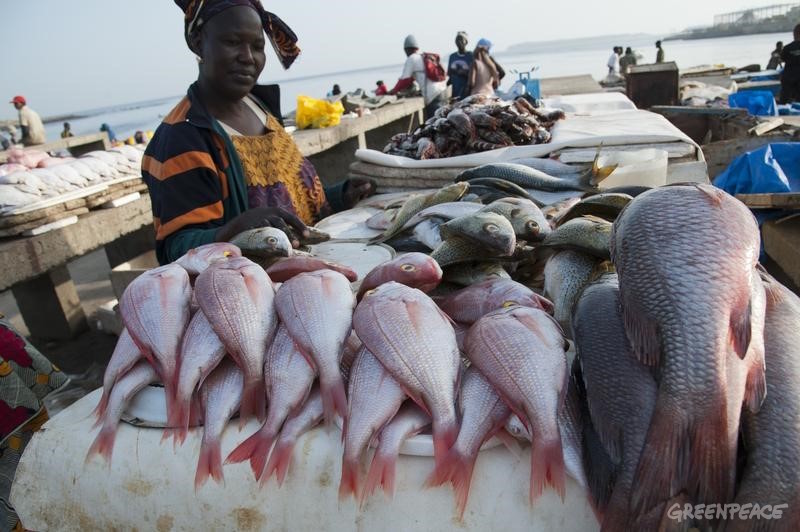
(407, 267)
(370, 292)
(227, 253)
(272, 240)
(515, 212)
(491, 228)
(509, 303)
(532, 225)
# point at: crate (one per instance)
(649, 85)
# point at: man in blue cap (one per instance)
(414, 70)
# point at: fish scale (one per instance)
(686, 259)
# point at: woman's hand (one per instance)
(263, 217)
(356, 189)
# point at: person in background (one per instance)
(221, 162)
(486, 43)
(140, 137)
(790, 77)
(775, 57)
(335, 91)
(458, 67)
(613, 61)
(433, 92)
(659, 52)
(67, 132)
(483, 75)
(381, 88)
(627, 60)
(29, 122)
(110, 132)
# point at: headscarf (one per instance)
(280, 35)
(484, 43)
(462, 34)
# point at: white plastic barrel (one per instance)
(646, 167)
(151, 487)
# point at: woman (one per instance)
(483, 75)
(221, 162)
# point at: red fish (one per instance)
(285, 269)
(416, 270)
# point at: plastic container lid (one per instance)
(646, 167)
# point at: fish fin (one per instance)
(348, 485)
(457, 469)
(381, 473)
(601, 471)
(278, 463)
(209, 464)
(334, 400)
(254, 448)
(510, 442)
(103, 444)
(642, 332)
(254, 401)
(741, 329)
(713, 194)
(100, 409)
(444, 436)
(756, 386)
(547, 468)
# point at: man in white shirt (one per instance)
(30, 123)
(414, 70)
(613, 61)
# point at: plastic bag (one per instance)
(313, 113)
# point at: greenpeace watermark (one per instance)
(742, 512)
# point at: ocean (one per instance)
(553, 59)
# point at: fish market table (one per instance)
(148, 486)
(34, 267)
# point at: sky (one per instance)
(67, 56)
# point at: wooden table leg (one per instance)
(50, 305)
(130, 246)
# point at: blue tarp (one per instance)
(758, 103)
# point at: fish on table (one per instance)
(416, 270)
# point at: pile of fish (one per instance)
(32, 176)
(475, 124)
(678, 336)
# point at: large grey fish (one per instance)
(527, 177)
(238, 299)
(309, 416)
(220, 395)
(373, 398)
(488, 229)
(317, 310)
(469, 273)
(124, 390)
(126, 354)
(155, 310)
(497, 188)
(693, 305)
(288, 377)
(263, 242)
(473, 302)
(605, 205)
(408, 421)
(550, 166)
(565, 275)
(457, 250)
(446, 211)
(521, 353)
(526, 218)
(417, 203)
(620, 393)
(483, 414)
(586, 234)
(772, 471)
(415, 342)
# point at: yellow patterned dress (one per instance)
(277, 174)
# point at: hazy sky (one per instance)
(73, 55)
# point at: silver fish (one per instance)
(565, 275)
(585, 234)
(528, 177)
(417, 203)
(446, 211)
(263, 242)
(526, 218)
(488, 229)
(550, 166)
(126, 354)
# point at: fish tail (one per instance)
(713, 458)
(254, 448)
(209, 464)
(456, 468)
(278, 462)
(381, 473)
(348, 485)
(334, 400)
(100, 409)
(253, 401)
(103, 444)
(547, 468)
(510, 442)
(444, 436)
(179, 420)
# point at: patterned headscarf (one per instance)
(199, 12)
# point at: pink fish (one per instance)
(237, 297)
(351, 348)
(416, 270)
(373, 399)
(197, 260)
(408, 421)
(285, 269)
(469, 304)
(155, 310)
(288, 376)
(306, 419)
(483, 414)
(415, 342)
(693, 307)
(520, 351)
(125, 355)
(201, 351)
(220, 394)
(124, 390)
(317, 310)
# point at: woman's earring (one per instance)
(199, 59)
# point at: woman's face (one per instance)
(231, 46)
